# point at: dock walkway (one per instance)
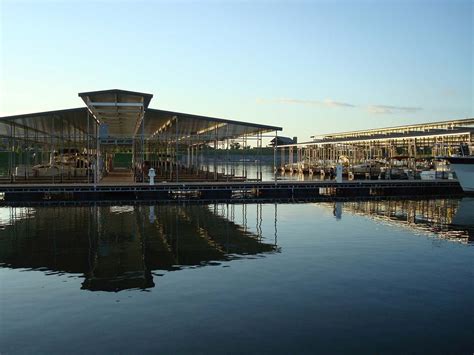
(227, 190)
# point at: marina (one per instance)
(118, 148)
(118, 139)
(236, 177)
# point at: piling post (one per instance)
(274, 157)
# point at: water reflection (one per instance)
(451, 219)
(126, 247)
(120, 247)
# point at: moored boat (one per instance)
(463, 166)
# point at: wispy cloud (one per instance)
(450, 93)
(332, 103)
(322, 103)
(374, 109)
(388, 109)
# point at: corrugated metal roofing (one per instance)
(387, 137)
(121, 112)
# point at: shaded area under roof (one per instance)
(122, 111)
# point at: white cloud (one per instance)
(375, 109)
(388, 109)
(321, 103)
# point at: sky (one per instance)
(311, 67)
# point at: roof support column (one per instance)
(176, 149)
(11, 143)
(97, 155)
(188, 157)
(282, 159)
(274, 158)
(87, 149)
(215, 154)
(51, 155)
(142, 142)
(227, 153)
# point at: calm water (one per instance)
(356, 277)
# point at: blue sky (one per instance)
(311, 67)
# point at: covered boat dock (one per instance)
(391, 152)
(117, 138)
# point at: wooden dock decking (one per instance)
(226, 190)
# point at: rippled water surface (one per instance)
(354, 277)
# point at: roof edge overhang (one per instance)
(454, 122)
(146, 97)
(377, 139)
(44, 113)
(215, 119)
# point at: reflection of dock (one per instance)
(426, 216)
(117, 248)
(229, 236)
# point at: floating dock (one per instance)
(227, 190)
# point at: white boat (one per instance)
(435, 175)
(463, 166)
(372, 168)
(66, 162)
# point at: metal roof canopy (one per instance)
(160, 124)
(41, 126)
(457, 131)
(449, 124)
(122, 112)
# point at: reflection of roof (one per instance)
(121, 112)
(127, 250)
(115, 283)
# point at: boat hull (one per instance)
(464, 169)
